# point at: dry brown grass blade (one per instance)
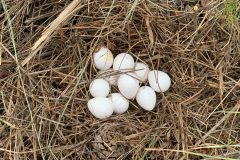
(224, 118)
(196, 48)
(150, 32)
(0, 55)
(64, 15)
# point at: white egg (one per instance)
(146, 98)
(103, 59)
(120, 103)
(128, 85)
(100, 107)
(99, 88)
(159, 81)
(141, 71)
(123, 61)
(110, 76)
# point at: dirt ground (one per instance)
(46, 66)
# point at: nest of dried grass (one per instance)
(44, 86)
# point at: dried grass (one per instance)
(43, 113)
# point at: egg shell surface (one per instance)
(120, 103)
(141, 71)
(99, 88)
(159, 81)
(123, 61)
(146, 98)
(100, 107)
(103, 59)
(128, 85)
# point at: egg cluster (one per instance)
(127, 76)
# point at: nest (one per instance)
(46, 66)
